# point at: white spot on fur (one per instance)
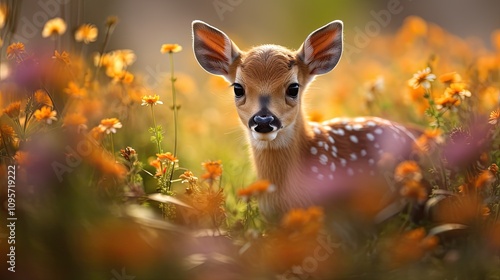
(331, 140)
(348, 127)
(359, 119)
(339, 131)
(350, 172)
(343, 162)
(316, 130)
(320, 177)
(370, 136)
(378, 131)
(362, 153)
(371, 162)
(314, 150)
(333, 167)
(357, 126)
(314, 169)
(331, 177)
(320, 144)
(353, 156)
(323, 159)
(353, 138)
(371, 123)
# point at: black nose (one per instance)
(263, 120)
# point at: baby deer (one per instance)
(309, 163)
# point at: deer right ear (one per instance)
(213, 49)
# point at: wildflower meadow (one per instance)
(105, 177)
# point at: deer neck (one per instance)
(279, 161)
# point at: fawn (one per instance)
(309, 163)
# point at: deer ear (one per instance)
(213, 49)
(322, 49)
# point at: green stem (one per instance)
(106, 39)
(157, 138)
(174, 100)
(112, 145)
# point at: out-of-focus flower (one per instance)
(306, 221)
(54, 27)
(457, 90)
(151, 100)
(484, 179)
(158, 165)
(62, 57)
(115, 62)
(15, 50)
(125, 77)
(3, 15)
(75, 119)
(428, 140)
(411, 246)
(188, 177)
(129, 154)
(45, 114)
(13, 110)
(111, 21)
(42, 98)
(7, 132)
(22, 158)
(110, 125)
(414, 190)
(170, 48)
(408, 170)
(450, 78)
(213, 169)
(495, 39)
(494, 117)
(493, 168)
(447, 102)
(86, 33)
(167, 157)
(256, 188)
(422, 78)
(75, 91)
(315, 116)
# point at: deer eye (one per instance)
(239, 91)
(293, 90)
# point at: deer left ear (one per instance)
(322, 49)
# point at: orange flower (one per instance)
(54, 27)
(167, 156)
(494, 117)
(411, 246)
(157, 164)
(414, 190)
(111, 21)
(422, 78)
(41, 97)
(485, 179)
(256, 188)
(451, 77)
(408, 171)
(7, 132)
(457, 90)
(86, 33)
(315, 116)
(3, 15)
(151, 100)
(213, 169)
(62, 57)
(447, 102)
(428, 140)
(170, 48)
(15, 50)
(109, 125)
(45, 114)
(13, 110)
(188, 177)
(306, 222)
(75, 91)
(21, 157)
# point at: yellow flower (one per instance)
(167, 156)
(457, 90)
(111, 21)
(422, 78)
(213, 169)
(15, 50)
(75, 91)
(428, 140)
(13, 109)
(170, 48)
(494, 117)
(54, 27)
(41, 97)
(151, 100)
(63, 57)
(86, 33)
(45, 114)
(110, 125)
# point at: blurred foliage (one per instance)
(99, 195)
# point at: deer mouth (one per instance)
(264, 127)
